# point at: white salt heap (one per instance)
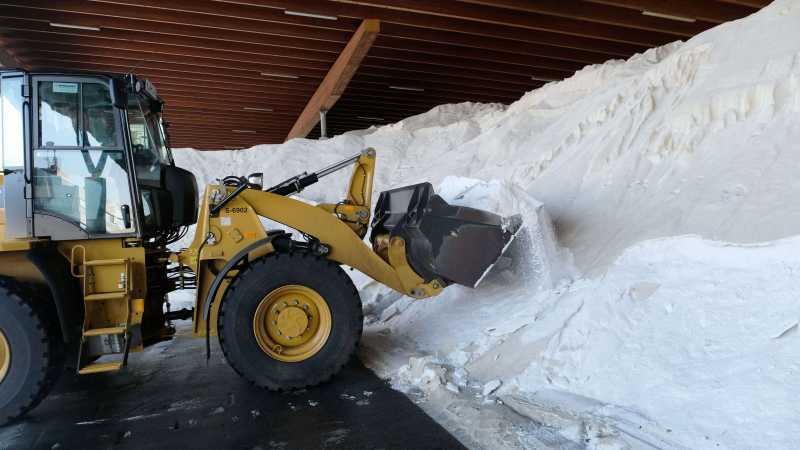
(667, 312)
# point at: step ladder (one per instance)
(107, 297)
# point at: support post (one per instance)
(323, 125)
(335, 82)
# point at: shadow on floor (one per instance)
(170, 398)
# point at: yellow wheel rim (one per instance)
(5, 356)
(292, 323)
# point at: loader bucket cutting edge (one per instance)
(514, 226)
(456, 244)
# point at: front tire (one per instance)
(30, 351)
(290, 321)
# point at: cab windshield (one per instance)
(148, 140)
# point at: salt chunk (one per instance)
(491, 386)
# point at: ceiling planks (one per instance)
(236, 73)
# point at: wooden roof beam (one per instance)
(337, 79)
(486, 15)
(370, 88)
(104, 15)
(402, 60)
(751, 3)
(132, 29)
(715, 12)
(396, 23)
(188, 22)
(447, 15)
(593, 12)
(26, 31)
(257, 68)
(113, 64)
(33, 30)
(392, 37)
(60, 44)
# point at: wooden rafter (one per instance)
(337, 79)
(715, 12)
(751, 3)
(523, 20)
(208, 58)
(612, 12)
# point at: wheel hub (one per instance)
(5, 356)
(292, 323)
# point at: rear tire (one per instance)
(242, 344)
(34, 358)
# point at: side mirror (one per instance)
(182, 187)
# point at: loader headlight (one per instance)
(256, 180)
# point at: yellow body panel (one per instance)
(346, 246)
(114, 283)
(355, 210)
(341, 227)
(113, 297)
(216, 240)
(219, 238)
(13, 262)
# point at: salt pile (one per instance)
(660, 305)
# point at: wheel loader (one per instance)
(92, 202)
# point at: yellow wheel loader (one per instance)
(91, 201)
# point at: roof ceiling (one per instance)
(238, 73)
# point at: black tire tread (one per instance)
(291, 258)
(48, 330)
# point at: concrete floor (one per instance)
(169, 398)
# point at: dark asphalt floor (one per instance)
(168, 398)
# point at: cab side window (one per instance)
(76, 115)
(80, 170)
(98, 117)
(59, 104)
(12, 142)
(12, 136)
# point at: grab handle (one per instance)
(72, 260)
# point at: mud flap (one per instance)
(455, 244)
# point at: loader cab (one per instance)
(86, 157)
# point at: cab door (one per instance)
(81, 176)
(15, 205)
